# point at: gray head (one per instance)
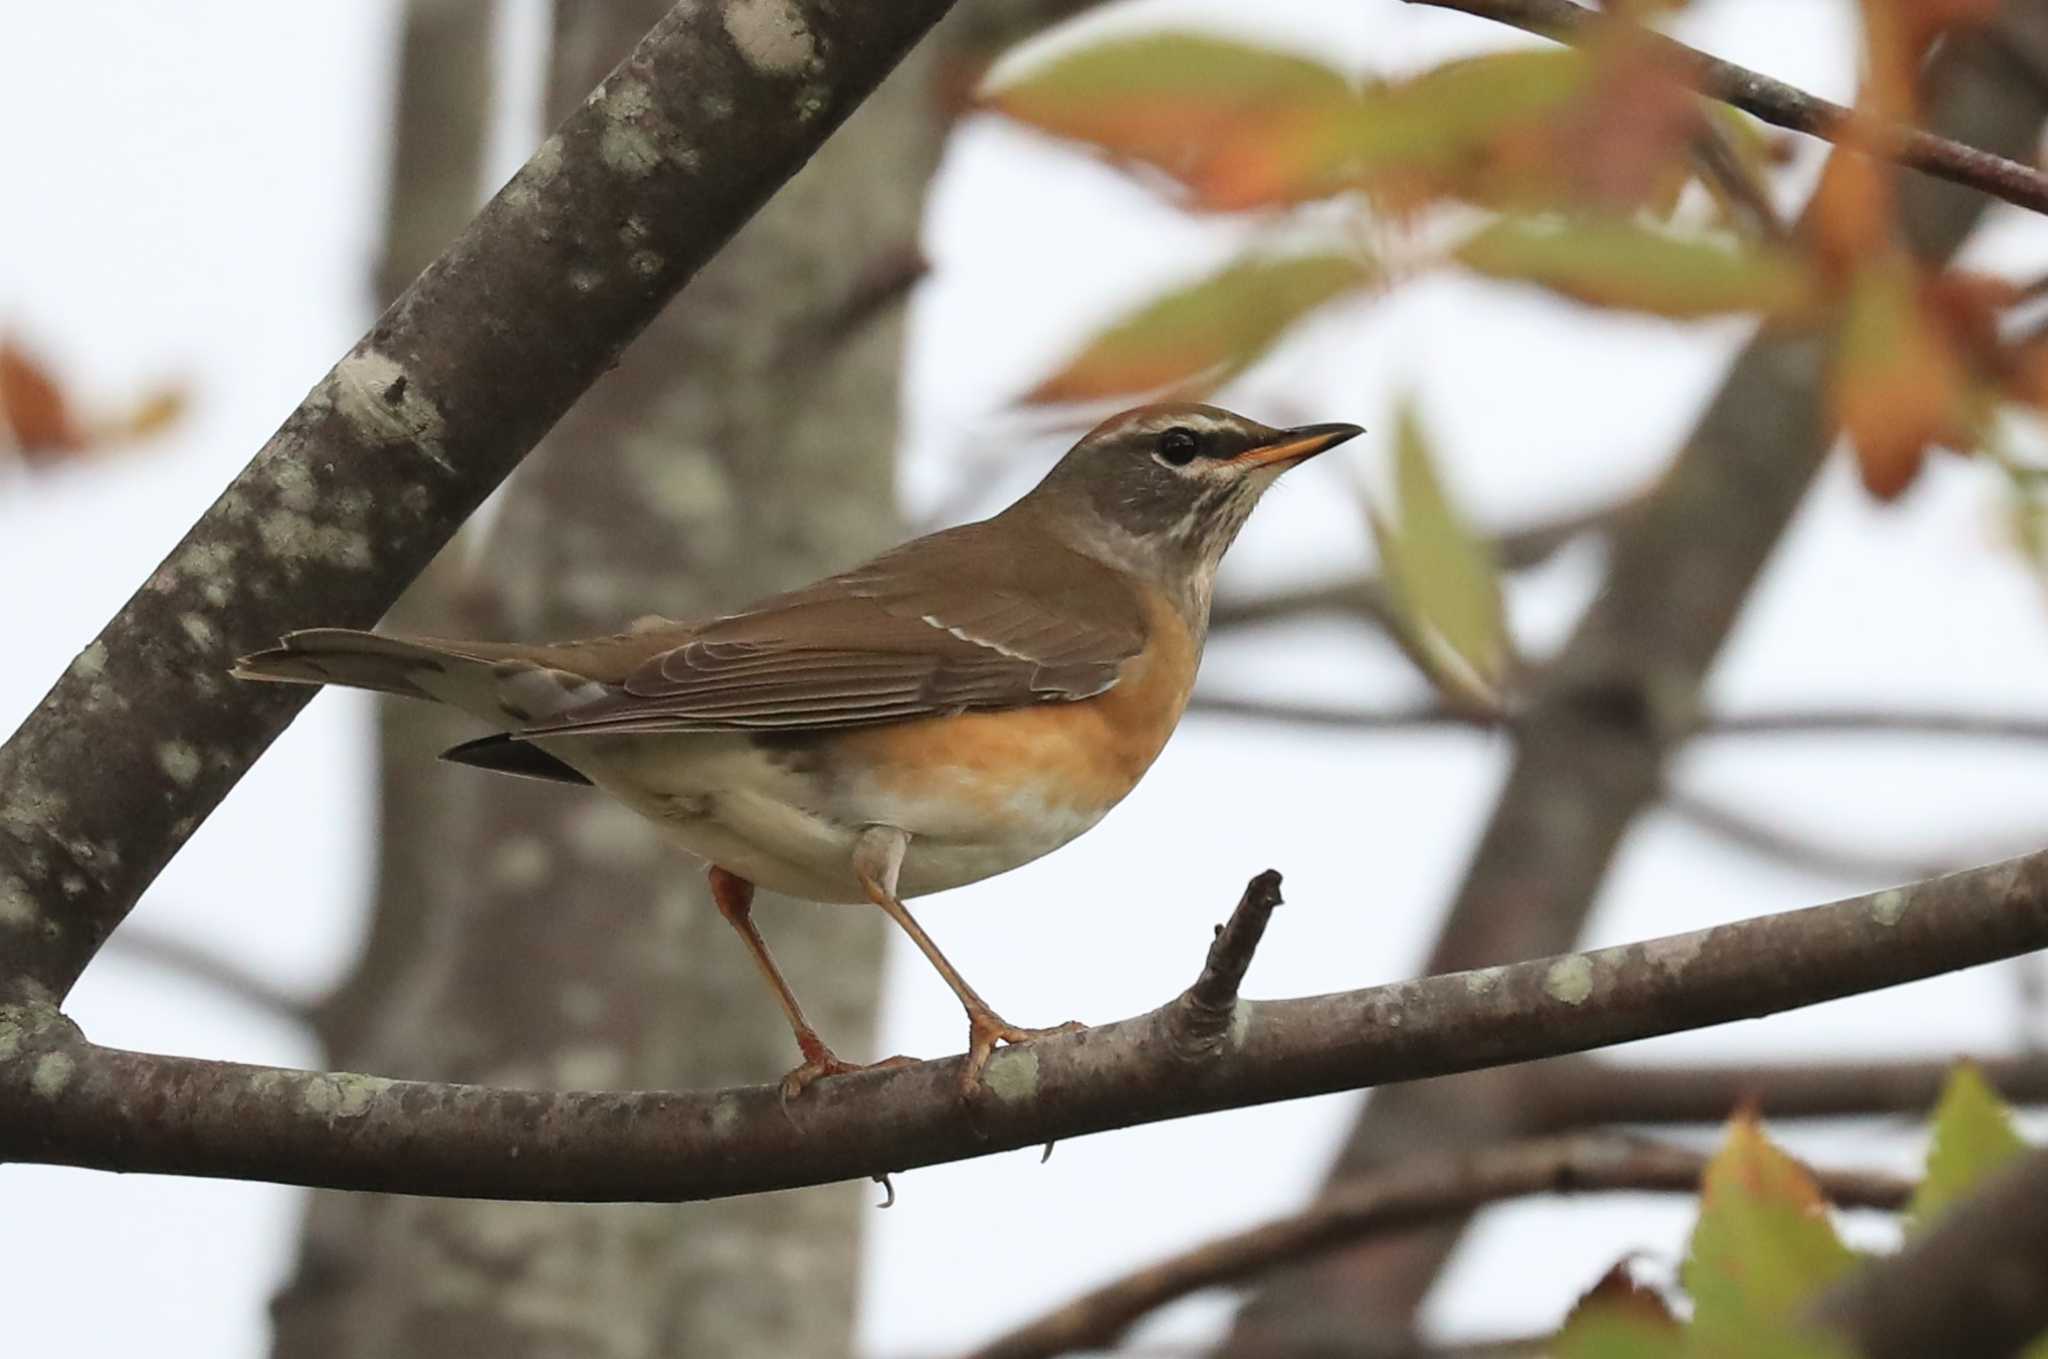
(1164, 489)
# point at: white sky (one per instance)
(195, 192)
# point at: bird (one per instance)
(952, 709)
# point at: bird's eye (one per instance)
(1179, 446)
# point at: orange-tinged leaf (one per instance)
(1764, 1245)
(1618, 262)
(156, 412)
(1897, 386)
(1170, 99)
(1461, 129)
(1202, 333)
(35, 416)
(1851, 219)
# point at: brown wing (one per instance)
(944, 624)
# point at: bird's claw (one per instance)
(985, 1029)
(824, 1062)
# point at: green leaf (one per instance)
(1171, 100)
(1619, 1318)
(1606, 1332)
(1763, 1248)
(1973, 1137)
(1615, 262)
(1442, 576)
(1206, 331)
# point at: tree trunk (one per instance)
(535, 935)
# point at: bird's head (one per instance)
(1164, 489)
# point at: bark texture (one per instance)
(531, 936)
(142, 735)
(69, 1102)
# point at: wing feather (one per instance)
(953, 622)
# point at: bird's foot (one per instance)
(985, 1029)
(821, 1061)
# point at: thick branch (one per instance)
(65, 1101)
(144, 734)
(1420, 1190)
(1784, 105)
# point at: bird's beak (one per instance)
(1295, 445)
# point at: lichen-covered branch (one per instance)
(144, 733)
(66, 1101)
(1387, 1200)
(1785, 106)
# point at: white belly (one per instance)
(768, 819)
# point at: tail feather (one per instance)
(354, 660)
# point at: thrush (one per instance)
(955, 708)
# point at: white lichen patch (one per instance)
(1569, 979)
(199, 631)
(1481, 980)
(91, 662)
(1674, 954)
(210, 566)
(771, 36)
(52, 1074)
(295, 538)
(1012, 1075)
(296, 489)
(383, 403)
(1240, 1023)
(585, 281)
(646, 263)
(625, 144)
(727, 1117)
(1886, 907)
(17, 907)
(178, 760)
(341, 1094)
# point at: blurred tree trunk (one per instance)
(534, 935)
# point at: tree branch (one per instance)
(1779, 722)
(143, 735)
(196, 962)
(66, 1101)
(1969, 1286)
(1784, 105)
(1401, 1195)
(1597, 724)
(1575, 1092)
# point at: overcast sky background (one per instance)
(196, 192)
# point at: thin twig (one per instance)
(1205, 1010)
(1582, 1092)
(196, 962)
(1399, 1196)
(1784, 105)
(1768, 841)
(1775, 722)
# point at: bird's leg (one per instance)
(877, 860)
(734, 896)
